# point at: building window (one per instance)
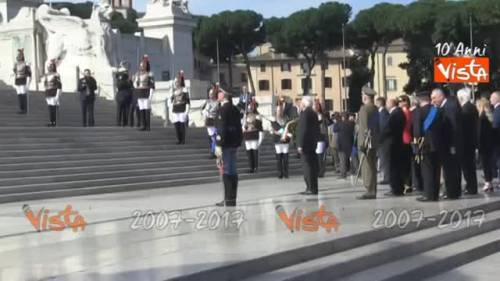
(244, 78)
(389, 61)
(286, 84)
(304, 67)
(222, 77)
(306, 83)
(262, 67)
(392, 85)
(286, 67)
(263, 85)
(165, 75)
(325, 66)
(328, 82)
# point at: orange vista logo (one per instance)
(298, 220)
(45, 221)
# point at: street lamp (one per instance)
(344, 67)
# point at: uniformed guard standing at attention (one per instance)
(180, 108)
(209, 111)
(87, 87)
(22, 73)
(145, 86)
(427, 128)
(367, 137)
(124, 95)
(229, 138)
(53, 90)
(253, 135)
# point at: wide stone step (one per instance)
(69, 192)
(351, 254)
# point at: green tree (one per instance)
(237, 32)
(374, 29)
(308, 34)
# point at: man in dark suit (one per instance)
(470, 122)
(427, 135)
(384, 147)
(87, 87)
(392, 135)
(495, 102)
(452, 146)
(307, 140)
(229, 138)
(345, 141)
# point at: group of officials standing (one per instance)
(435, 137)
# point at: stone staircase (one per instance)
(38, 162)
(419, 250)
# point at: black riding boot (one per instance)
(251, 162)
(226, 181)
(256, 160)
(285, 164)
(279, 166)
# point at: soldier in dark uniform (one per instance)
(145, 86)
(253, 135)
(229, 138)
(180, 108)
(307, 141)
(209, 111)
(87, 87)
(124, 95)
(427, 127)
(53, 90)
(22, 73)
(452, 145)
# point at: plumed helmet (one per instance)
(20, 55)
(145, 63)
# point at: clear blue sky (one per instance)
(268, 8)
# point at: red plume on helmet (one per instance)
(20, 54)
(181, 79)
(53, 65)
(145, 61)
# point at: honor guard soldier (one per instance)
(22, 73)
(145, 86)
(87, 87)
(53, 90)
(209, 111)
(282, 138)
(367, 138)
(180, 108)
(253, 135)
(229, 137)
(124, 95)
(427, 126)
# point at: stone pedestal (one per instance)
(172, 22)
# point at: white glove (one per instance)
(58, 96)
(218, 151)
(188, 107)
(261, 138)
(151, 92)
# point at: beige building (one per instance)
(277, 74)
(396, 77)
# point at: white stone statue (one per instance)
(181, 5)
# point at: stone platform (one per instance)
(261, 248)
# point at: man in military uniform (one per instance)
(125, 89)
(180, 108)
(53, 90)
(229, 138)
(87, 87)
(427, 127)
(22, 73)
(209, 111)
(367, 136)
(145, 86)
(253, 134)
